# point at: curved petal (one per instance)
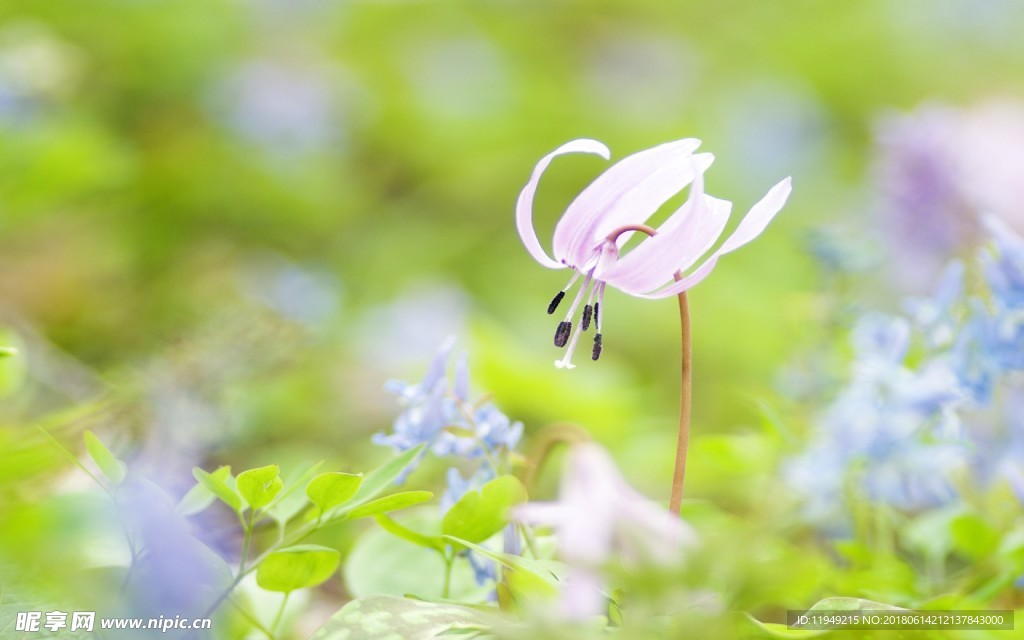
(759, 216)
(680, 242)
(524, 204)
(628, 192)
(750, 227)
(685, 283)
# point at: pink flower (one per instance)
(590, 234)
(599, 518)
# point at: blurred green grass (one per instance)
(162, 164)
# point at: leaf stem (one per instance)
(245, 543)
(449, 561)
(280, 610)
(251, 618)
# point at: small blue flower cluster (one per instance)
(439, 413)
(935, 394)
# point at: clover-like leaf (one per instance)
(104, 458)
(219, 487)
(199, 497)
(394, 502)
(260, 486)
(478, 515)
(397, 529)
(328, 490)
(380, 478)
(298, 567)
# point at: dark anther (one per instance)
(587, 311)
(562, 333)
(555, 302)
(597, 306)
(597, 347)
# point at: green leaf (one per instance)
(328, 490)
(6, 352)
(298, 567)
(379, 563)
(400, 530)
(527, 577)
(219, 487)
(394, 502)
(380, 478)
(852, 604)
(395, 617)
(199, 497)
(478, 515)
(973, 536)
(259, 486)
(105, 460)
(782, 631)
(290, 502)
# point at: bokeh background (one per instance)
(224, 225)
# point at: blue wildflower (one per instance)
(894, 432)
(424, 415)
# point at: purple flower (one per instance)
(591, 233)
(598, 518)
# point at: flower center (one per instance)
(592, 311)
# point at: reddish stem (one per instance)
(686, 380)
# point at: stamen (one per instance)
(597, 347)
(597, 317)
(587, 311)
(562, 333)
(566, 362)
(554, 303)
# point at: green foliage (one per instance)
(392, 617)
(331, 489)
(379, 479)
(199, 497)
(108, 463)
(525, 579)
(391, 526)
(394, 502)
(297, 567)
(219, 485)
(259, 487)
(478, 515)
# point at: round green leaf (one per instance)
(297, 567)
(260, 486)
(333, 488)
(478, 515)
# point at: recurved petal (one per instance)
(691, 280)
(749, 228)
(524, 205)
(627, 193)
(687, 235)
(759, 216)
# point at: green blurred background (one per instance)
(224, 224)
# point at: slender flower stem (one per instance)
(685, 396)
(686, 382)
